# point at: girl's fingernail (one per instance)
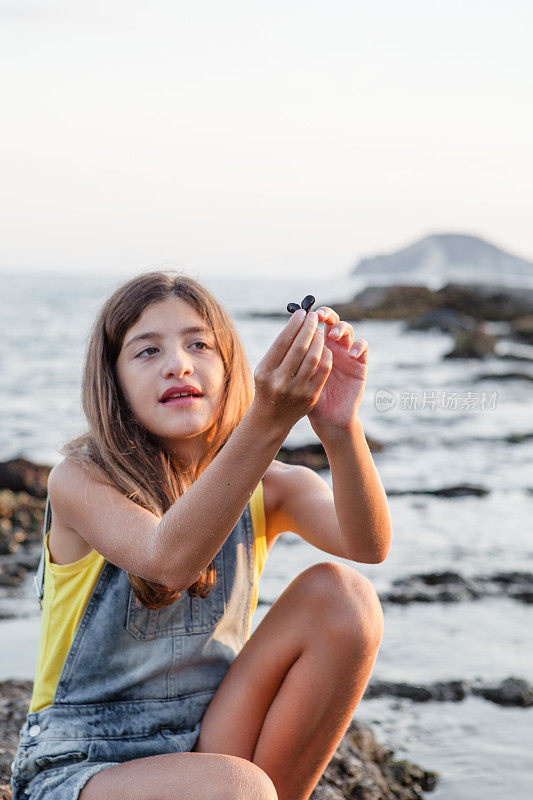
(301, 314)
(334, 332)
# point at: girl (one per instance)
(148, 682)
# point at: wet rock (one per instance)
(461, 490)
(14, 703)
(480, 301)
(486, 301)
(510, 692)
(441, 691)
(444, 319)
(451, 587)
(387, 302)
(473, 344)
(522, 329)
(21, 522)
(20, 475)
(518, 438)
(503, 376)
(515, 357)
(360, 768)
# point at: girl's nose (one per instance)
(178, 363)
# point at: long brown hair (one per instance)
(120, 451)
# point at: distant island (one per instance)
(441, 257)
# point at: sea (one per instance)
(441, 425)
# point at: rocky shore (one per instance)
(455, 305)
(457, 308)
(360, 769)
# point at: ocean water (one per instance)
(440, 427)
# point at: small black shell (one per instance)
(307, 302)
(292, 307)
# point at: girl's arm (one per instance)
(360, 500)
(175, 549)
(288, 381)
(353, 521)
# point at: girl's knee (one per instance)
(250, 783)
(343, 598)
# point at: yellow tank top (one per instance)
(68, 587)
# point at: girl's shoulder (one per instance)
(65, 545)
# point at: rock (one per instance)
(473, 344)
(387, 302)
(21, 520)
(515, 357)
(20, 475)
(451, 587)
(21, 524)
(440, 691)
(452, 307)
(503, 376)
(461, 490)
(14, 703)
(444, 319)
(486, 301)
(518, 438)
(360, 768)
(510, 692)
(522, 329)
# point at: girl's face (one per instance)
(160, 352)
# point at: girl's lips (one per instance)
(182, 401)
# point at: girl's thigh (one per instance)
(181, 776)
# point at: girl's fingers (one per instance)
(335, 329)
(281, 344)
(300, 345)
(327, 315)
(359, 350)
(321, 374)
(312, 357)
(342, 331)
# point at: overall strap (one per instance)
(38, 579)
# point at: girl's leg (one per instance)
(289, 696)
(180, 776)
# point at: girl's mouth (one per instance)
(182, 401)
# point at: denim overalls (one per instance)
(136, 682)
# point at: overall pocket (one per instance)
(186, 615)
(61, 759)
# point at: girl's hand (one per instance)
(292, 374)
(338, 405)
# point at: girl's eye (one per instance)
(205, 346)
(145, 350)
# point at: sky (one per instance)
(246, 138)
